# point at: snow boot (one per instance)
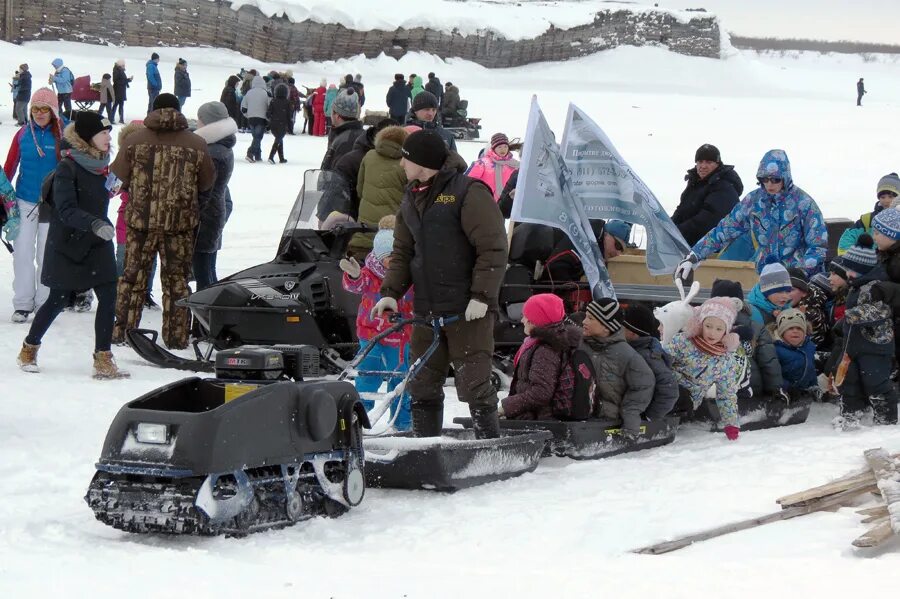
(485, 422)
(427, 421)
(20, 316)
(27, 359)
(105, 367)
(847, 422)
(885, 408)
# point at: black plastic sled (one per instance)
(246, 451)
(758, 413)
(591, 439)
(453, 461)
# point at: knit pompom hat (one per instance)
(861, 258)
(46, 97)
(544, 309)
(887, 222)
(889, 183)
(725, 309)
(774, 278)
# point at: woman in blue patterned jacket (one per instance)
(783, 222)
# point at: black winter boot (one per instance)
(885, 408)
(427, 421)
(485, 422)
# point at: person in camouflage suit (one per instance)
(164, 167)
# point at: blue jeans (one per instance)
(151, 96)
(120, 266)
(257, 130)
(204, 264)
(181, 101)
(386, 358)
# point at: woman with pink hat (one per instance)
(539, 363)
(496, 166)
(34, 153)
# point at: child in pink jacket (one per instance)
(391, 353)
(496, 166)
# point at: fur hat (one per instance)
(639, 319)
(608, 312)
(725, 309)
(774, 278)
(544, 309)
(789, 319)
(346, 104)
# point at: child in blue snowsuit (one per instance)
(796, 351)
(392, 352)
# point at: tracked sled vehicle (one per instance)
(251, 449)
(461, 125)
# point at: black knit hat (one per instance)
(426, 148)
(154, 56)
(726, 288)
(88, 124)
(799, 279)
(639, 319)
(607, 311)
(166, 101)
(424, 100)
(708, 152)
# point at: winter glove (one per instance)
(385, 304)
(11, 227)
(103, 229)
(683, 272)
(351, 267)
(732, 432)
(475, 310)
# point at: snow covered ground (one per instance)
(564, 530)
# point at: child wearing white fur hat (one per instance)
(703, 356)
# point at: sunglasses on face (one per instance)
(40, 109)
(775, 180)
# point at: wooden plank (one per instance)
(887, 474)
(876, 517)
(878, 510)
(785, 514)
(847, 481)
(876, 535)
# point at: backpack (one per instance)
(45, 206)
(573, 398)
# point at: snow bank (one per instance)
(513, 19)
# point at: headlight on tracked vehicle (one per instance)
(147, 432)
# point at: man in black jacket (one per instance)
(346, 127)
(860, 91)
(422, 114)
(397, 99)
(434, 86)
(713, 189)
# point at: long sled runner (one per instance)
(758, 413)
(246, 451)
(453, 461)
(591, 439)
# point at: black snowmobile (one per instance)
(252, 449)
(297, 298)
(461, 125)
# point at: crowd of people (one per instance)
(437, 246)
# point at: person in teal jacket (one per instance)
(154, 81)
(771, 295)
(887, 191)
(330, 95)
(63, 79)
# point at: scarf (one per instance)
(91, 164)
(499, 163)
(713, 349)
(526, 345)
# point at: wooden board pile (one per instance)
(880, 476)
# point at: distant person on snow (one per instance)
(860, 91)
(182, 82)
(346, 127)
(63, 79)
(435, 87)
(154, 81)
(712, 190)
(397, 99)
(255, 106)
(496, 166)
(450, 105)
(121, 82)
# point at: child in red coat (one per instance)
(390, 353)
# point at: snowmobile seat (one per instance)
(759, 412)
(593, 438)
(453, 461)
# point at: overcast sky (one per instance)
(875, 21)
